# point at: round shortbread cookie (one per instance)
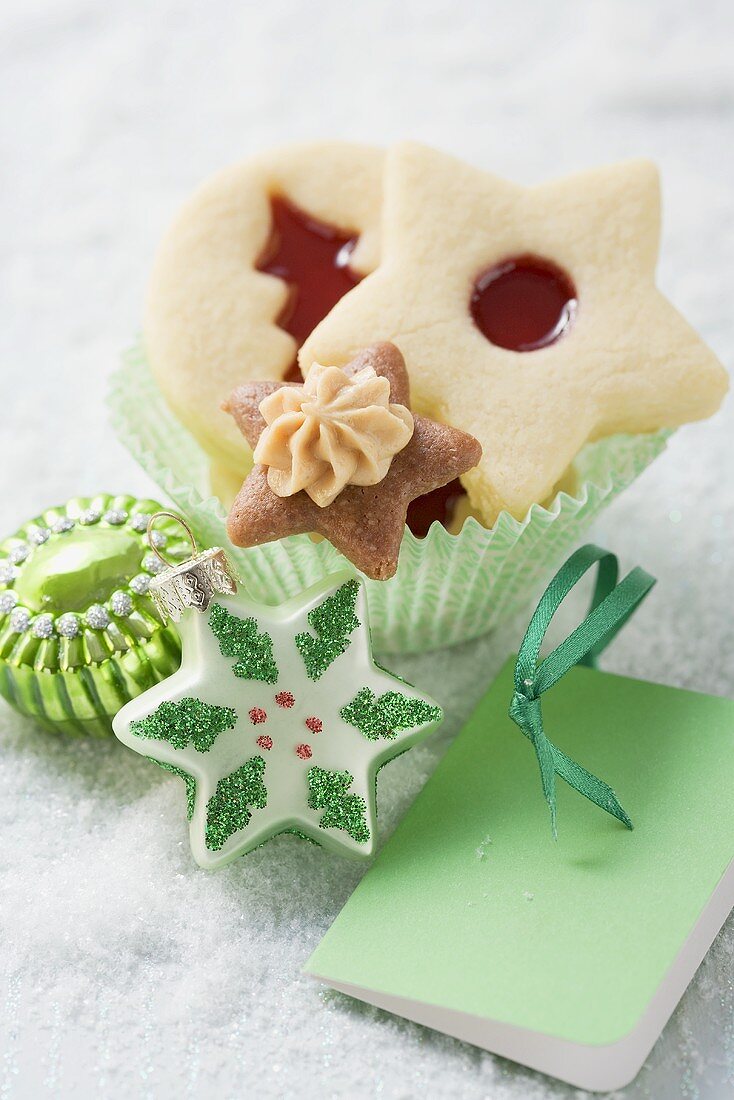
(211, 319)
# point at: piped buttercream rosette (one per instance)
(335, 430)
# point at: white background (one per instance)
(127, 971)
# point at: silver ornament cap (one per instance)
(193, 583)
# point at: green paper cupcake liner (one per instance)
(79, 634)
(448, 588)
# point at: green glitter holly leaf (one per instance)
(240, 638)
(189, 781)
(328, 791)
(388, 715)
(228, 810)
(333, 621)
(187, 721)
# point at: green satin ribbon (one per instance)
(611, 606)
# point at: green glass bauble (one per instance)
(79, 634)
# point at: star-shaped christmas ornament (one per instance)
(278, 719)
(365, 522)
(528, 317)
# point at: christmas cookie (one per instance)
(79, 634)
(342, 455)
(528, 317)
(278, 720)
(255, 259)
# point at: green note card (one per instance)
(567, 955)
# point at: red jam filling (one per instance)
(439, 505)
(313, 258)
(524, 303)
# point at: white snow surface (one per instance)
(126, 971)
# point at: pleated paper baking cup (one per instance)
(448, 588)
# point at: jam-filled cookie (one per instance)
(528, 317)
(254, 260)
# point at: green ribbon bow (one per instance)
(611, 606)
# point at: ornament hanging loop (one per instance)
(193, 583)
(180, 520)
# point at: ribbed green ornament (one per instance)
(79, 635)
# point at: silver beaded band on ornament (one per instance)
(98, 617)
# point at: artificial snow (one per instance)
(127, 971)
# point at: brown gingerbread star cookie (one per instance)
(345, 457)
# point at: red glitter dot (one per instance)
(315, 725)
(265, 742)
(304, 751)
(285, 699)
(257, 716)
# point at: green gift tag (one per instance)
(567, 955)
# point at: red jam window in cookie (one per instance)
(524, 303)
(439, 505)
(313, 258)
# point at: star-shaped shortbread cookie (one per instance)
(365, 522)
(628, 362)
